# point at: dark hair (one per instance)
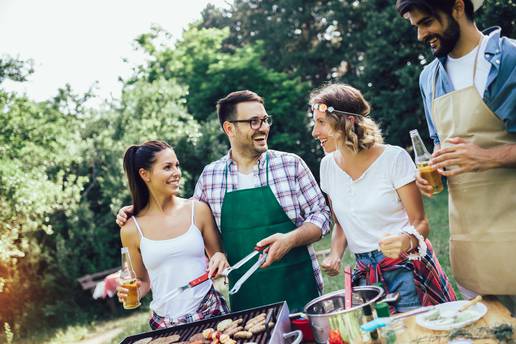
(431, 7)
(136, 157)
(226, 107)
(361, 134)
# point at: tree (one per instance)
(365, 43)
(14, 69)
(37, 180)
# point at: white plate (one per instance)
(479, 308)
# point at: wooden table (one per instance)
(496, 314)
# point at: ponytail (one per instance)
(135, 158)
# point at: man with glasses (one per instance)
(262, 197)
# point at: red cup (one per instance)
(303, 325)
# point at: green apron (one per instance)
(248, 216)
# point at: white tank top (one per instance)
(172, 263)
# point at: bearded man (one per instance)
(469, 100)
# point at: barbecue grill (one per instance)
(277, 326)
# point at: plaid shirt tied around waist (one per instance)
(290, 180)
(431, 282)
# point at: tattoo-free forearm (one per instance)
(338, 241)
(305, 235)
(503, 156)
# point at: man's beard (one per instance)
(448, 40)
(249, 146)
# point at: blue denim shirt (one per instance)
(500, 93)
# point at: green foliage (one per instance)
(364, 43)
(14, 69)
(37, 181)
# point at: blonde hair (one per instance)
(357, 135)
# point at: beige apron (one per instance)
(482, 205)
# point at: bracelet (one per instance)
(421, 247)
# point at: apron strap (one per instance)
(476, 59)
(226, 176)
(474, 68)
(267, 167)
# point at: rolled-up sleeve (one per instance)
(311, 200)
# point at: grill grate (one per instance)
(188, 330)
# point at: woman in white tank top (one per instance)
(168, 239)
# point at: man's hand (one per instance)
(466, 156)
(331, 264)
(217, 264)
(423, 185)
(279, 245)
(123, 215)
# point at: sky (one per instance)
(81, 42)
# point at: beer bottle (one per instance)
(128, 281)
(422, 158)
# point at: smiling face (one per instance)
(440, 34)
(323, 132)
(251, 142)
(164, 175)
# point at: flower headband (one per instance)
(331, 109)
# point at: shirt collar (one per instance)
(492, 47)
(261, 159)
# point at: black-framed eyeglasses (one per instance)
(330, 109)
(255, 123)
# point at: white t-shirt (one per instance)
(368, 208)
(461, 70)
(247, 181)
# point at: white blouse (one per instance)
(369, 208)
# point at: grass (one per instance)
(137, 322)
(134, 322)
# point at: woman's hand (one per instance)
(217, 264)
(392, 246)
(331, 264)
(121, 292)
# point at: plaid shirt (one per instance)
(432, 284)
(291, 182)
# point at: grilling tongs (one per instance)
(264, 250)
(201, 279)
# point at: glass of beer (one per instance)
(422, 158)
(133, 295)
(431, 176)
